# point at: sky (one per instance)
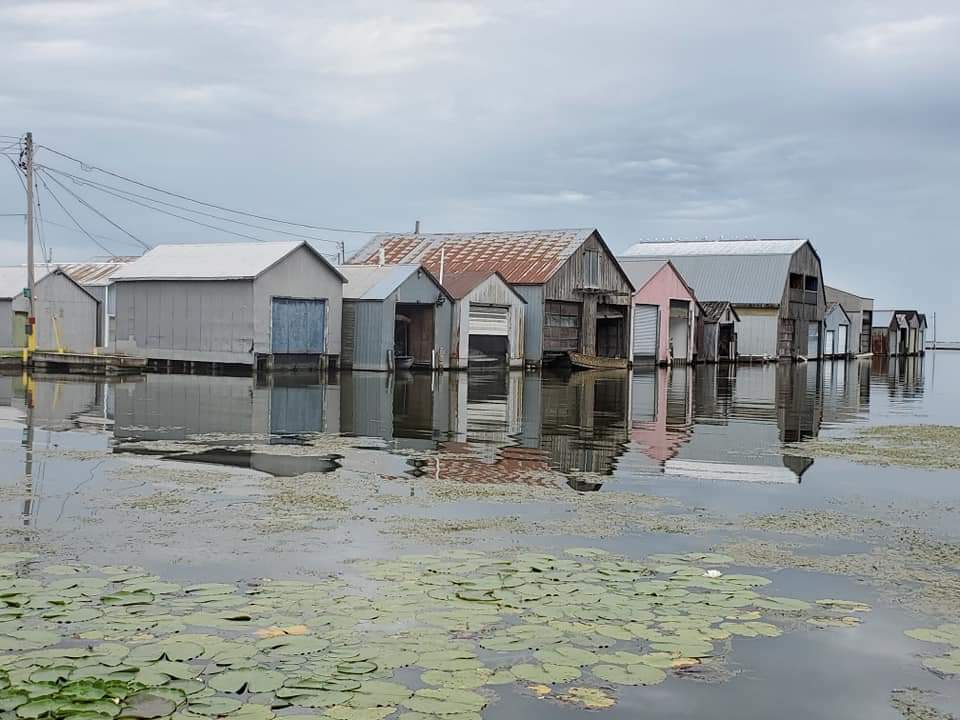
(837, 121)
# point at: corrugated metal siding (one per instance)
(66, 316)
(370, 344)
(348, 333)
(757, 333)
(532, 321)
(646, 319)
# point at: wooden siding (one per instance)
(570, 285)
(802, 306)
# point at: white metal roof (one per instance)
(374, 282)
(210, 261)
(715, 247)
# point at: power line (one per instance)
(13, 214)
(96, 235)
(93, 209)
(38, 221)
(75, 221)
(103, 187)
(89, 167)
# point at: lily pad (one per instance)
(547, 673)
(629, 674)
(235, 681)
(445, 701)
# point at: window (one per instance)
(796, 281)
(812, 283)
(591, 269)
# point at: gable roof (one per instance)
(744, 272)
(834, 307)
(213, 261)
(713, 311)
(526, 257)
(96, 273)
(461, 284)
(641, 270)
(378, 282)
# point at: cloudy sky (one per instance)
(834, 120)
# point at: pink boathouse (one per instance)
(664, 312)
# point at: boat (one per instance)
(404, 362)
(581, 361)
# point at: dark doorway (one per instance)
(726, 343)
(413, 334)
(488, 350)
(611, 331)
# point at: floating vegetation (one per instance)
(936, 447)
(95, 643)
(912, 704)
(948, 634)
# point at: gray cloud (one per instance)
(830, 120)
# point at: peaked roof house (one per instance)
(860, 311)
(394, 315)
(776, 287)
(664, 312)
(66, 314)
(259, 304)
(577, 295)
(836, 331)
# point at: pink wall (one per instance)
(663, 287)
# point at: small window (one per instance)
(812, 283)
(591, 269)
(796, 281)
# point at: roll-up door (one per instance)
(489, 320)
(645, 321)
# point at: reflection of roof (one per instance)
(713, 311)
(529, 257)
(374, 282)
(98, 273)
(706, 470)
(745, 272)
(212, 261)
(513, 466)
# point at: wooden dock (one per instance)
(83, 363)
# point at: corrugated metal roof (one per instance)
(882, 318)
(374, 282)
(528, 257)
(640, 270)
(757, 279)
(96, 273)
(211, 261)
(716, 247)
(13, 279)
(460, 284)
(713, 311)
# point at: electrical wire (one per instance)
(75, 221)
(83, 202)
(103, 187)
(38, 221)
(73, 229)
(88, 167)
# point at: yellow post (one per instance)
(56, 334)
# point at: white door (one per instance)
(489, 320)
(828, 345)
(646, 318)
(842, 339)
(679, 332)
(813, 340)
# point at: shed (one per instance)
(258, 304)
(96, 277)
(488, 319)
(717, 332)
(860, 311)
(394, 315)
(776, 287)
(66, 314)
(836, 331)
(577, 295)
(664, 312)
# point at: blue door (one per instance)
(299, 326)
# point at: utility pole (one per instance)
(27, 165)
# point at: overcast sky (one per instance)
(832, 120)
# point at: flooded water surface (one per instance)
(664, 543)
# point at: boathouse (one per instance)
(577, 295)
(776, 287)
(717, 332)
(488, 320)
(96, 278)
(394, 316)
(259, 304)
(664, 312)
(836, 331)
(860, 311)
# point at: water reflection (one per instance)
(715, 422)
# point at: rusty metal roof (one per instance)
(526, 257)
(97, 272)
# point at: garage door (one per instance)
(645, 321)
(298, 326)
(813, 339)
(842, 332)
(828, 348)
(489, 320)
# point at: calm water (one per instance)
(710, 439)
